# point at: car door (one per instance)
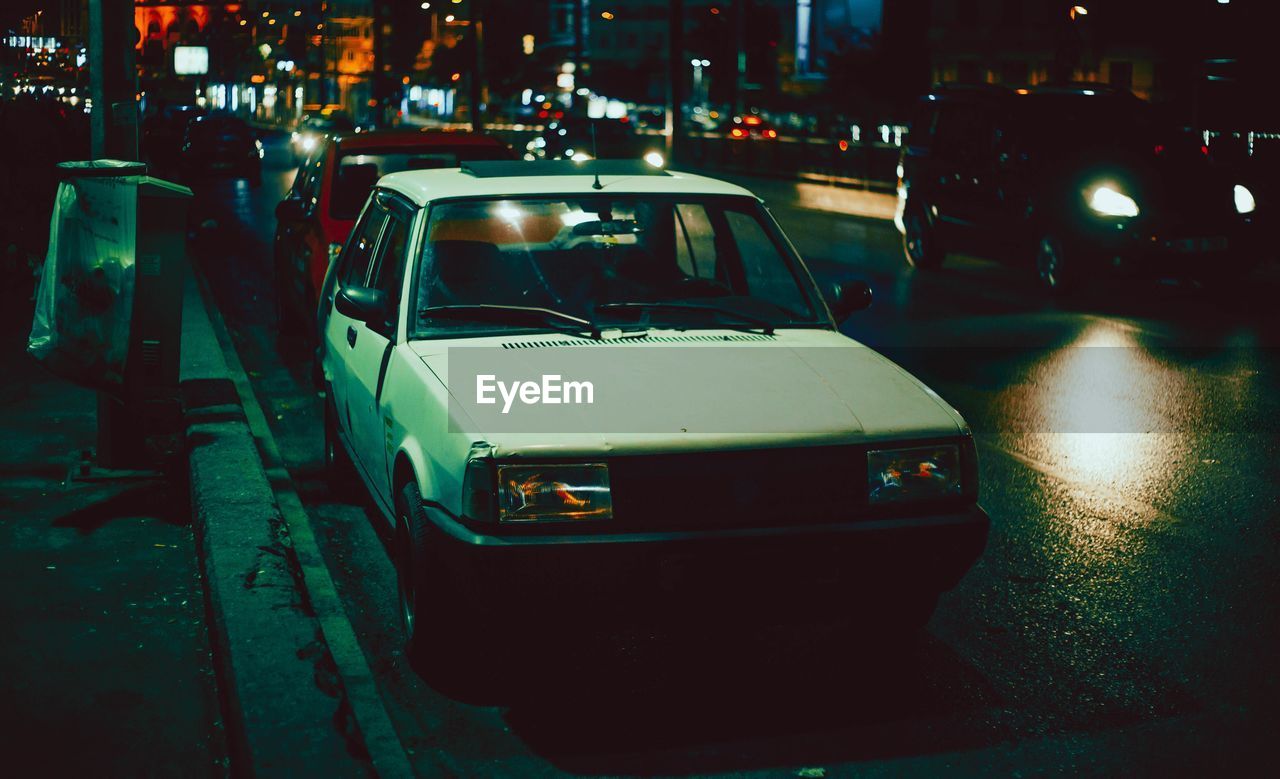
(293, 234)
(371, 352)
(341, 332)
(964, 152)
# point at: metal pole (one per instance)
(113, 80)
(376, 83)
(739, 37)
(477, 67)
(675, 73)
(579, 48)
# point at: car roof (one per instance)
(424, 186)
(414, 139)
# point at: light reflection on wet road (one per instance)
(1123, 612)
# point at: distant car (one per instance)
(783, 463)
(163, 133)
(747, 128)
(312, 129)
(220, 144)
(573, 139)
(314, 219)
(1073, 181)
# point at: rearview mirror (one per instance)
(291, 209)
(848, 297)
(362, 303)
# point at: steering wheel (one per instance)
(695, 287)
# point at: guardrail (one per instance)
(869, 166)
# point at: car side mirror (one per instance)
(291, 209)
(849, 297)
(367, 305)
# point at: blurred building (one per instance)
(1206, 59)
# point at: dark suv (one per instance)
(1072, 181)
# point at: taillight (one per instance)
(1204, 150)
(771, 133)
(844, 145)
(738, 132)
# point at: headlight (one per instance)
(532, 493)
(579, 156)
(1244, 199)
(293, 137)
(1109, 201)
(655, 159)
(922, 473)
(308, 143)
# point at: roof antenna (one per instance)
(595, 155)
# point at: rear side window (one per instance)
(921, 130)
(358, 255)
(359, 170)
(963, 131)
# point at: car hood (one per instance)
(799, 387)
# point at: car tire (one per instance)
(442, 633)
(920, 239)
(286, 323)
(1055, 271)
(338, 467)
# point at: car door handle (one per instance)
(351, 335)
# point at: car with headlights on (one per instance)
(309, 135)
(735, 453)
(1072, 181)
(316, 215)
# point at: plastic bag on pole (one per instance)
(85, 300)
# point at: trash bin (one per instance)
(109, 307)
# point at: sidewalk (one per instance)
(106, 658)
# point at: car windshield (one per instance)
(359, 170)
(614, 261)
(328, 124)
(223, 129)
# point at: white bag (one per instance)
(85, 301)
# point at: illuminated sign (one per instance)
(190, 60)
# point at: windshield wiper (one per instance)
(764, 325)
(488, 312)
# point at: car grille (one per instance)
(753, 488)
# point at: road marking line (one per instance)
(380, 738)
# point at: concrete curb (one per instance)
(286, 710)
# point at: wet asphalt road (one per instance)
(1123, 616)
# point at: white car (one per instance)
(588, 390)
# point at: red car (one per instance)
(314, 219)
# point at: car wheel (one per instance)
(441, 632)
(1052, 266)
(920, 240)
(337, 464)
(286, 323)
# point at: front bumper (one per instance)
(813, 570)
(1155, 248)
